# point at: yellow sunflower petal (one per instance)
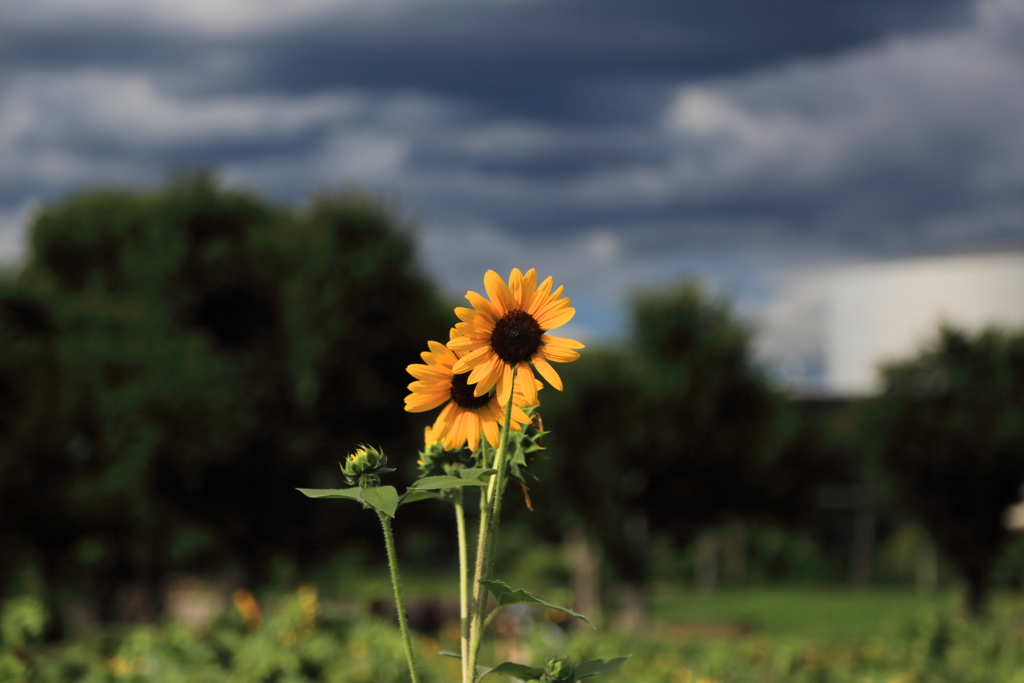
(551, 309)
(480, 371)
(505, 384)
(463, 342)
(558, 354)
(526, 384)
(428, 373)
(528, 289)
(482, 305)
(501, 297)
(466, 315)
(556, 319)
(423, 403)
(564, 342)
(490, 372)
(472, 425)
(490, 427)
(515, 286)
(460, 432)
(471, 360)
(429, 387)
(443, 423)
(442, 353)
(519, 416)
(454, 437)
(540, 297)
(546, 371)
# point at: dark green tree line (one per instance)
(176, 362)
(674, 431)
(951, 431)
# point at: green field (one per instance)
(762, 635)
(828, 615)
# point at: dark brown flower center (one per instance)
(462, 393)
(516, 337)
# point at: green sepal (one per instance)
(412, 496)
(596, 667)
(506, 596)
(353, 493)
(382, 498)
(444, 481)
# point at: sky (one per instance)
(613, 144)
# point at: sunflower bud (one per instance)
(434, 460)
(558, 670)
(363, 467)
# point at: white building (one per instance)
(887, 311)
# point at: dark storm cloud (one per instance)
(632, 140)
(574, 60)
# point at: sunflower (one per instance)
(467, 414)
(507, 331)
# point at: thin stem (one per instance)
(460, 522)
(490, 507)
(396, 582)
(478, 576)
(490, 617)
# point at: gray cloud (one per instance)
(606, 143)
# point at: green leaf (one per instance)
(444, 482)
(506, 596)
(411, 496)
(383, 498)
(353, 493)
(596, 667)
(520, 671)
(476, 473)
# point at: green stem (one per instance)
(460, 522)
(396, 582)
(490, 507)
(490, 617)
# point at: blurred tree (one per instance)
(207, 352)
(951, 429)
(676, 432)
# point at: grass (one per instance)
(827, 615)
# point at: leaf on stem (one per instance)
(352, 493)
(383, 498)
(596, 667)
(412, 495)
(520, 671)
(476, 473)
(506, 596)
(444, 482)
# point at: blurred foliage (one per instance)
(301, 640)
(293, 644)
(951, 431)
(926, 648)
(675, 431)
(176, 362)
